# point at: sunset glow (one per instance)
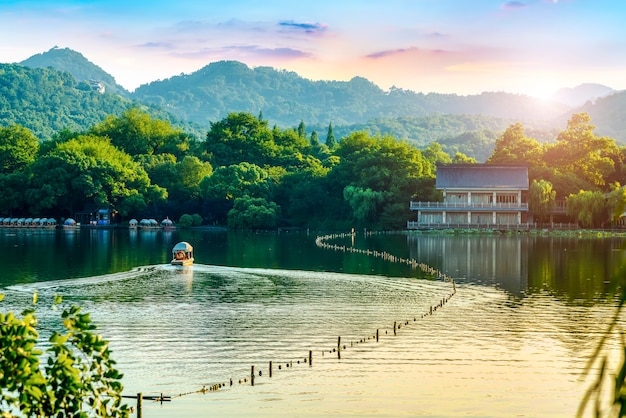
(466, 47)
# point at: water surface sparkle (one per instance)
(484, 353)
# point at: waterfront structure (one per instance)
(476, 196)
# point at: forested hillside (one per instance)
(65, 59)
(47, 101)
(286, 98)
(473, 135)
(609, 115)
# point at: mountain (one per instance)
(285, 98)
(47, 101)
(51, 91)
(608, 114)
(579, 95)
(65, 59)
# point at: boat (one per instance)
(70, 223)
(182, 254)
(167, 223)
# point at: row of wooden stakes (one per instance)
(308, 360)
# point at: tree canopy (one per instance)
(140, 166)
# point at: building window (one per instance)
(482, 218)
(456, 198)
(482, 199)
(431, 218)
(506, 198)
(456, 218)
(506, 218)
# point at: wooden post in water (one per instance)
(394, 327)
(376, 335)
(270, 369)
(339, 347)
(252, 376)
(310, 358)
(139, 401)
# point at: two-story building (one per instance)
(476, 196)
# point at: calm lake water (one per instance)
(512, 341)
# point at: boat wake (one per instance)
(85, 281)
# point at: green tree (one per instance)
(588, 208)
(460, 158)
(185, 221)
(240, 137)
(190, 173)
(302, 129)
(89, 169)
(392, 169)
(18, 147)
(515, 147)
(304, 197)
(433, 155)
(616, 202)
(136, 132)
(331, 142)
(363, 202)
(541, 198)
(235, 181)
(580, 152)
(253, 213)
(78, 379)
(12, 196)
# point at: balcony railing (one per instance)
(498, 226)
(467, 205)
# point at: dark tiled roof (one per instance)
(473, 176)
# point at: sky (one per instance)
(531, 47)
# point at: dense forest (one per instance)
(246, 174)
(284, 97)
(46, 101)
(319, 154)
(50, 101)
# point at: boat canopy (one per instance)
(167, 222)
(183, 246)
(69, 222)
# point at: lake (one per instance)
(510, 337)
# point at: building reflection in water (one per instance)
(500, 260)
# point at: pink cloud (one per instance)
(403, 51)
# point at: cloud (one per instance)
(309, 28)
(514, 5)
(402, 51)
(288, 53)
(244, 51)
(158, 45)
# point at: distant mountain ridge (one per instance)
(285, 98)
(581, 94)
(47, 101)
(65, 59)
